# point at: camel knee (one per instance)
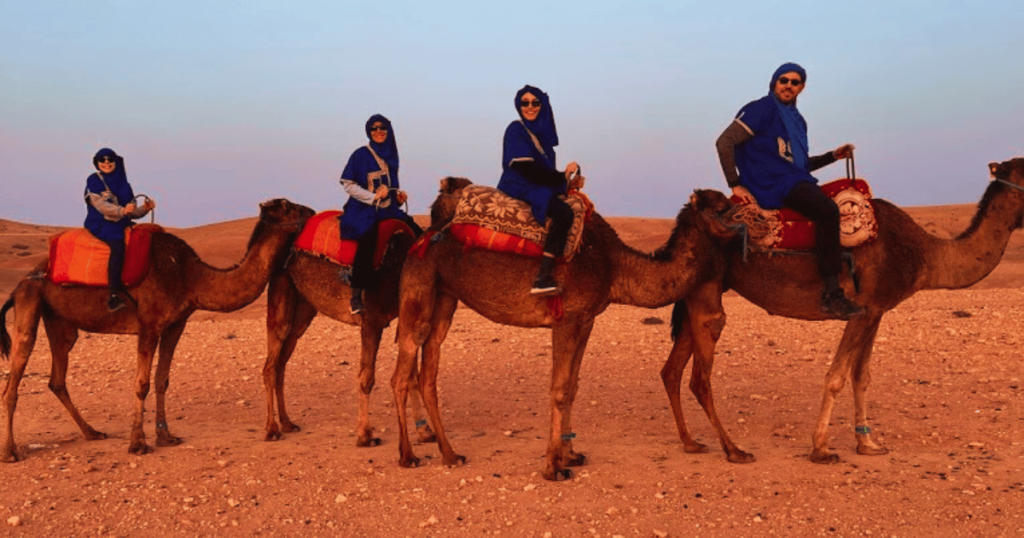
(366, 384)
(57, 389)
(716, 325)
(142, 390)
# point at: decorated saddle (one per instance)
(785, 229)
(492, 220)
(78, 257)
(321, 236)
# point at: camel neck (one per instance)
(225, 290)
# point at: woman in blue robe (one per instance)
(529, 174)
(371, 180)
(110, 206)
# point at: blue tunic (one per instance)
(519, 145)
(117, 183)
(765, 161)
(360, 216)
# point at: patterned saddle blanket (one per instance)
(321, 236)
(77, 257)
(785, 229)
(492, 220)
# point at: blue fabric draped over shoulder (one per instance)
(519, 145)
(363, 170)
(117, 182)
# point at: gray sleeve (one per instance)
(110, 210)
(733, 135)
(354, 190)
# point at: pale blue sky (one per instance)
(219, 105)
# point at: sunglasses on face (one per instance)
(376, 128)
(526, 103)
(790, 81)
(105, 160)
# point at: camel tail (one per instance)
(5, 338)
(679, 317)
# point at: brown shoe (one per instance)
(836, 303)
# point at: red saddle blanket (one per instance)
(78, 257)
(321, 236)
(788, 230)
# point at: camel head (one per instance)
(712, 208)
(443, 209)
(280, 213)
(1010, 173)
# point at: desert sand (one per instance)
(946, 399)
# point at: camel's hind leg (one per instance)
(707, 320)
(148, 339)
(860, 333)
(62, 337)
(861, 376)
(444, 311)
(26, 326)
(569, 342)
(672, 376)
(168, 342)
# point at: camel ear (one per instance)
(993, 170)
(444, 185)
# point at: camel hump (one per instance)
(488, 218)
(78, 257)
(785, 229)
(321, 237)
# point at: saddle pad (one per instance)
(78, 257)
(490, 219)
(786, 229)
(321, 236)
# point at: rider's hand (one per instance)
(382, 192)
(401, 196)
(571, 169)
(743, 194)
(149, 205)
(128, 209)
(577, 183)
(843, 152)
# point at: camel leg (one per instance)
(861, 377)
(569, 340)
(281, 299)
(444, 311)
(302, 317)
(858, 333)
(414, 328)
(424, 433)
(148, 340)
(672, 378)
(26, 326)
(370, 334)
(168, 342)
(62, 337)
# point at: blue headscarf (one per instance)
(791, 118)
(544, 126)
(117, 181)
(388, 149)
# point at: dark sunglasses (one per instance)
(106, 160)
(790, 81)
(528, 103)
(376, 128)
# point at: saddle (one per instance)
(78, 257)
(492, 220)
(785, 229)
(321, 236)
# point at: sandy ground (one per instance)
(945, 399)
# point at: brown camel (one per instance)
(900, 261)
(178, 284)
(498, 285)
(310, 284)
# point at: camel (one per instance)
(497, 286)
(902, 260)
(178, 284)
(310, 284)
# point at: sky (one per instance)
(219, 105)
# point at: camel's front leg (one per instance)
(370, 333)
(858, 333)
(168, 342)
(62, 336)
(281, 297)
(672, 375)
(415, 312)
(26, 326)
(302, 317)
(861, 379)
(569, 342)
(444, 310)
(148, 339)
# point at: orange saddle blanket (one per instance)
(321, 236)
(77, 257)
(786, 229)
(492, 220)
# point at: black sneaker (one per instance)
(544, 285)
(115, 302)
(837, 304)
(357, 303)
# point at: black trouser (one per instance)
(363, 274)
(115, 265)
(561, 216)
(807, 199)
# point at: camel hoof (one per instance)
(740, 456)
(560, 475)
(455, 461)
(426, 436)
(364, 442)
(272, 435)
(872, 450)
(288, 427)
(169, 440)
(10, 456)
(575, 459)
(93, 435)
(139, 448)
(410, 462)
(695, 448)
(824, 457)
